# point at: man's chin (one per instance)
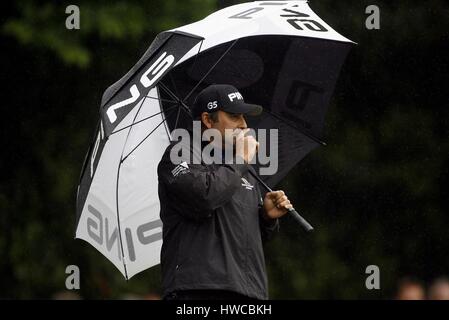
(230, 147)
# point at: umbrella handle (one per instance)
(303, 222)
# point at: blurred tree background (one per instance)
(376, 194)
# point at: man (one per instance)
(410, 289)
(214, 218)
(439, 289)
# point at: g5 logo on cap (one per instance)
(212, 105)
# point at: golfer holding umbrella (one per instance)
(214, 218)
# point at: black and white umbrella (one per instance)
(279, 54)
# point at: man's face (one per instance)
(230, 121)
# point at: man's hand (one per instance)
(245, 146)
(276, 204)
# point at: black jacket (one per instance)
(212, 227)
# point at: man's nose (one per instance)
(242, 123)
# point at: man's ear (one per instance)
(206, 120)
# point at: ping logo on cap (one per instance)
(235, 95)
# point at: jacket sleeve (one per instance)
(267, 227)
(200, 189)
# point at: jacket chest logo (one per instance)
(246, 184)
(180, 169)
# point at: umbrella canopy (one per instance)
(280, 55)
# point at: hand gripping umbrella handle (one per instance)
(303, 222)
